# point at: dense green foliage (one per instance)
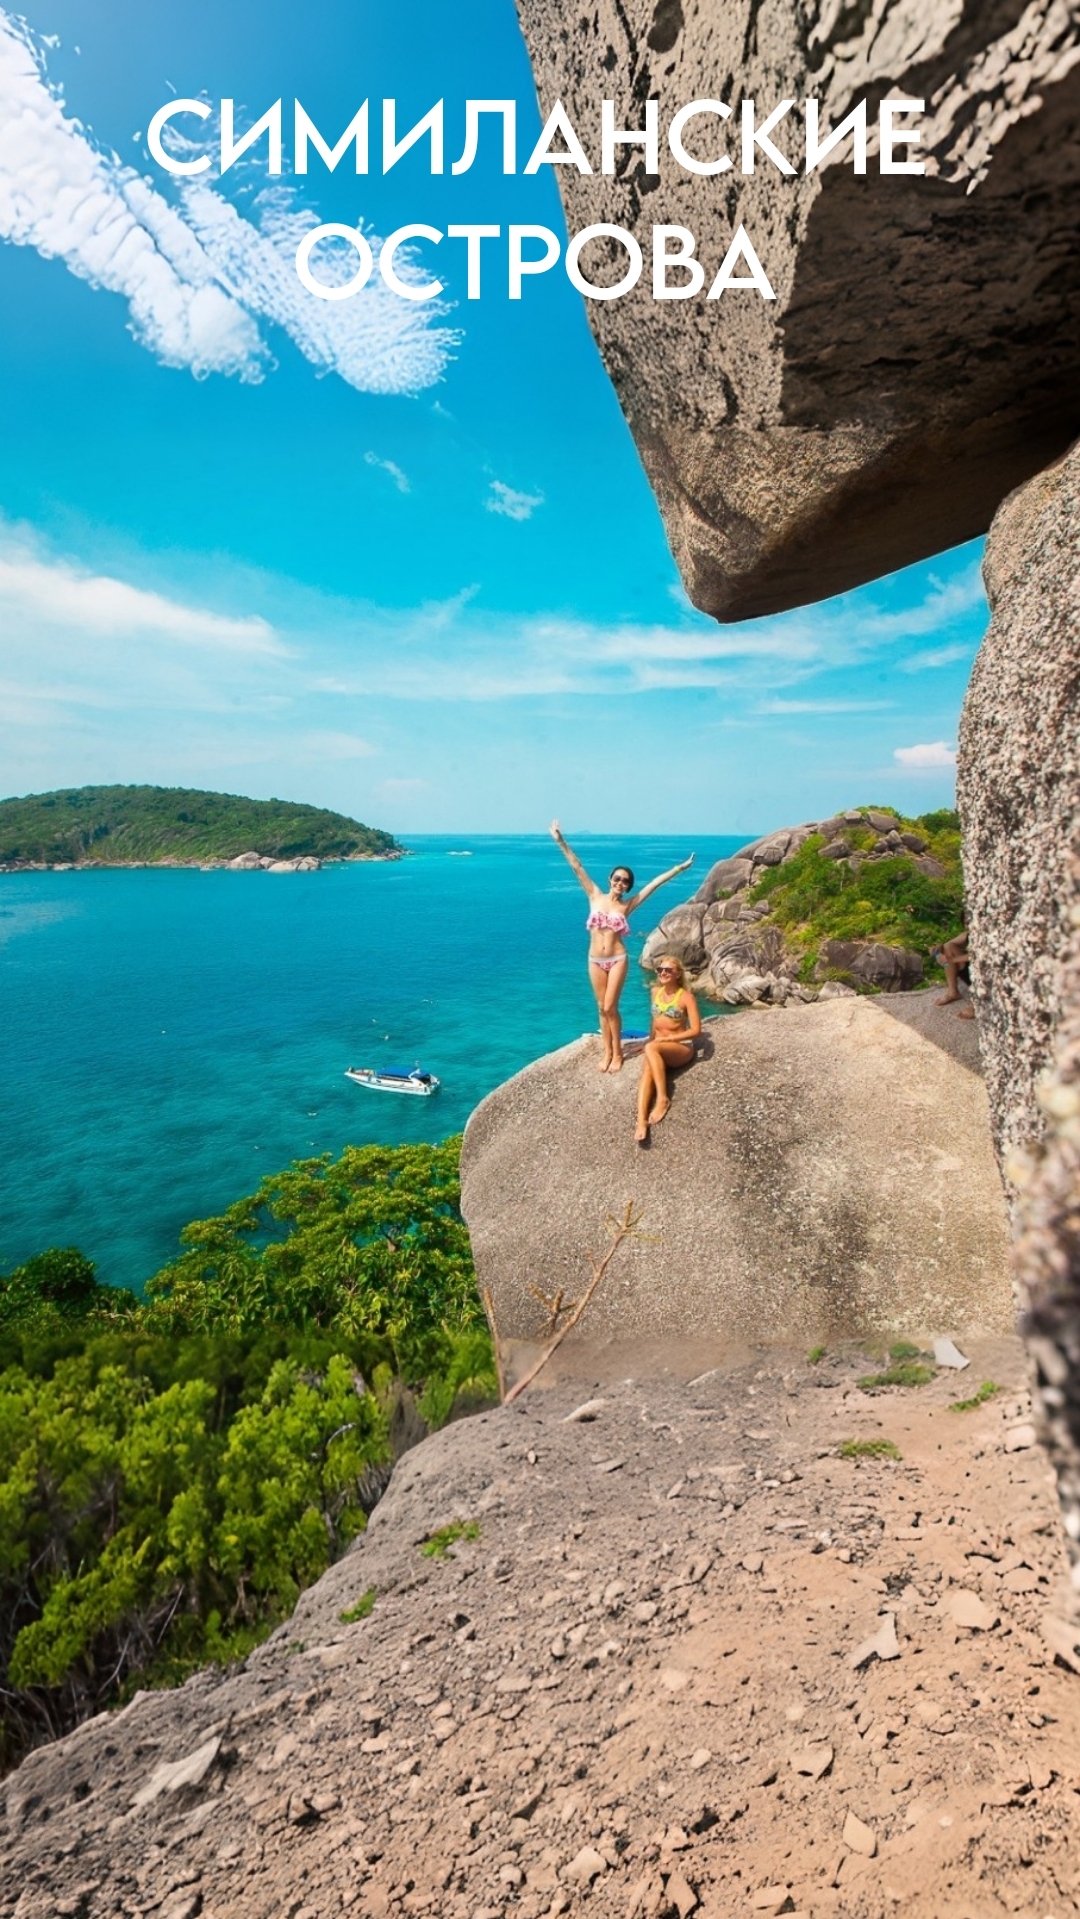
(173, 1470)
(131, 825)
(890, 900)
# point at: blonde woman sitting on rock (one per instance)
(676, 1023)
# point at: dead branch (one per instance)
(620, 1229)
(554, 1307)
(489, 1308)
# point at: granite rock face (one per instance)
(922, 356)
(1018, 788)
(819, 1176)
(1018, 785)
(736, 953)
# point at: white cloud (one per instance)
(59, 594)
(196, 277)
(400, 478)
(945, 602)
(335, 746)
(936, 754)
(510, 503)
(937, 656)
(824, 706)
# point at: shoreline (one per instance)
(240, 863)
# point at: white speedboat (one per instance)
(391, 1079)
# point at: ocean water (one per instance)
(168, 1038)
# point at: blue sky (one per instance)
(395, 559)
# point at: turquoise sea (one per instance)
(167, 1038)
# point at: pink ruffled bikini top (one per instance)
(607, 923)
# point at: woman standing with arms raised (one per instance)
(608, 924)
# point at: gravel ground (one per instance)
(691, 1660)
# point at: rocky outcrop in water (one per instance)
(922, 356)
(733, 947)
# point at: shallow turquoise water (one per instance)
(167, 1038)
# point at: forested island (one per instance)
(176, 826)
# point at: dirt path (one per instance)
(646, 1687)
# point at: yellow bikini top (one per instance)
(672, 1008)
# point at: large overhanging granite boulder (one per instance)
(822, 1174)
(922, 357)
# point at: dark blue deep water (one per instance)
(167, 1038)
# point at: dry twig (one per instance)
(620, 1229)
(496, 1342)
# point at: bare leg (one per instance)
(952, 981)
(662, 1054)
(653, 1065)
(598, 980)
(615, 980)
(646, 1091)
(954, 955)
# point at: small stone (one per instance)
(769, 1899)
(1063, 1639)
(946, 1354)
(609, 1465)
(182, 1905)
(1021, 1580)
(814, 1761)
(182, 1772)
(969, 1611)
(1019, 1438)
(673, 1679)
(1041, 1773)
(591, 1409)
(514, 1682)
(585, 1866)
(645, 1610)
(681, 1895)
(699, 1758)
(859, 1837)
(752, 1563)
(558, 1647)
(882, 1644)
(381, 1744)
(511, 1875)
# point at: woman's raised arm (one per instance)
(661, 880)
(572, 860)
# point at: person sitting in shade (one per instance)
(955, 959)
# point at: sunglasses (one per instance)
(665, 972)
